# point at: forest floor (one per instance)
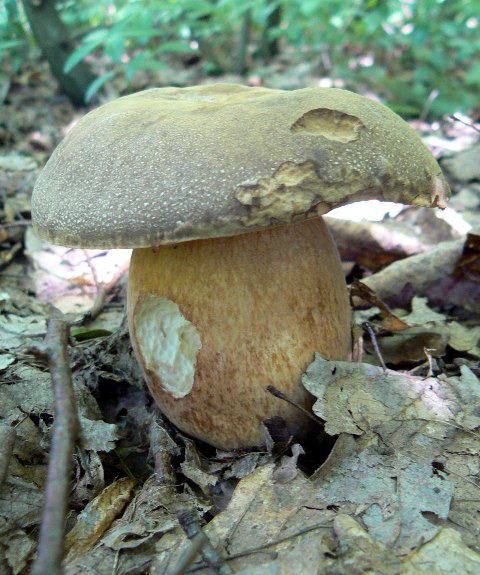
(392, 486)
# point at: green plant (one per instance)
(13, 37)
(409, 51)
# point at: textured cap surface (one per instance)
(175, 164)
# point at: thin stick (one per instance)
(277, 393)
(102, 296)
(426, 108)
(15, 224)
(188, 557)
(200, 543)
(93, 269)
(427, 351)
(469, 124)
(373, 337)
(267, 545)
(65, 431)
(7, 441)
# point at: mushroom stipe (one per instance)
(262, 304)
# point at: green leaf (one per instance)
(473, 75)
(142, 31)
(97, 84)
(90, 43)
(142, 63)
(115, 47)
(175, 46)
(85, 333)
(9, 44)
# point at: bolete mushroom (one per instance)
(234, 280)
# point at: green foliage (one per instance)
(13, 38)
(407, 50)
(416, 53)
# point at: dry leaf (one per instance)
(430, 274)
(266, 525)
(129, 543)
(374, 245)
(409, 428)
(98, 516)
(98, 435)
(443, 555)
(468, 266)
(424, 329)
(397, 482)
(19, 550)
(195, 468)
(390, 321)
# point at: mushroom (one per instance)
(234, 279)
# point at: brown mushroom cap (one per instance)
(176, 164)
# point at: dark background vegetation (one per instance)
(420, 56)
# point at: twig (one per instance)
(196, 545)
(98, 304)
(426, 108)
(278, 541)
(7, 256)
(373, 338)
(199, 543)
(101, 298)
(15, 224)
(262, 548)
(93, 269)
(417, 368)
(469, 124)
(8, 435)
(65, 431)
(277, 393)
(427, 351)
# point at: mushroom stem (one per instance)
(214, 322)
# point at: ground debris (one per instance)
(398, 493)
(399, 436)
(374, 245)
(464, 166)
(130, 541)
(435, 274)
(411, 337)
(98, 516)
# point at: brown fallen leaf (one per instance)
(431, 274)
(390, 321)
(373, 502)
(373, 245)
(418, 432)
(468, 265)
(130, 541)
(426, 331)
(438, 556)
(409, 346)
(369, 555)
(195, 468)
(97, 517)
